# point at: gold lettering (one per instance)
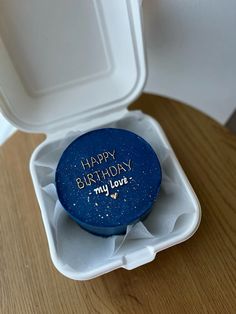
(94, 161)
(128, 164)
(100, 158)
(112, 154)
(105, 173)
(111, 172)
(90, 178)
(86, 182)
(84, 164)
(80, 183)
(105, 155)
(120, 168)
(98, 176)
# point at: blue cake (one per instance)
(107, 179)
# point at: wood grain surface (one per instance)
(198, 276)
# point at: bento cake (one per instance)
(107, 179)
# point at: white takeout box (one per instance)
(74, 66)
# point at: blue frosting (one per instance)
(107, 179)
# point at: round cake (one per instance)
(107, 179)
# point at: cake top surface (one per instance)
(108, 177)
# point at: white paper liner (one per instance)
(86, 250)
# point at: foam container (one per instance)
(67, 67)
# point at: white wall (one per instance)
(191, 46)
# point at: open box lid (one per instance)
(63, 63)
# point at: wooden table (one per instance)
(198, 276)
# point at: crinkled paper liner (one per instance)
(87, 250)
